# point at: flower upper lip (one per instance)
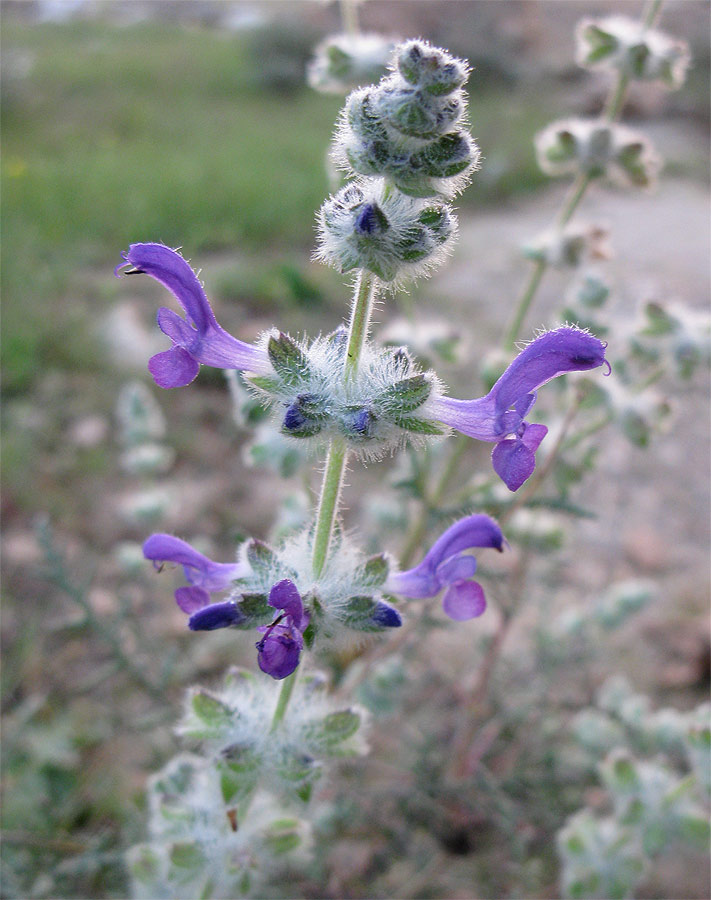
(503, 410)
(198, 338)
(445, 566)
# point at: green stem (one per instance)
(575, 195)
(328, 503)
(616, 101)
(652, 13)
(524, 304)
(588, 431)
(287, 688)
(337, 451)
(349, 16)
(360, 320)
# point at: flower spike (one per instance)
(500, 415)
(197, 339)
(204, 576)
(445, 566)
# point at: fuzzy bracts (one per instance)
(404, 142)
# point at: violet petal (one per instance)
(279, 654)
(565, 349)
(513, 462)
(285, 595)
(472, 531)
(456, 568)
(464, 600)
(199, 569)
(172, 271)
(191, 599)
(173, 368)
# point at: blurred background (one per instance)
(191, 123)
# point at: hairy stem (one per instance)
(337, 452)
(360, 320)
(328, 503)
(287, 688)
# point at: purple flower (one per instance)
(445, 566)
(204, 576)
(500, 415)
(197, 338)
(283, 641)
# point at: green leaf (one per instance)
(406, 395)
(260, 556)
(373, 572)
(256, 609)
(237, 676)
(625, 773)
(283, 835)
(695, 828)
(335, 728)
(418, 426)
(238, 775)
(289, 361)
(309, 635)
(266, 383)
(211, 710)
(187, 856)
(144, 863)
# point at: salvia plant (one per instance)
(235, 809)
(654, 766)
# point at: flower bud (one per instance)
(406, 127)
(430, 68)
(364, 226)
(412, 113)
(626, 46)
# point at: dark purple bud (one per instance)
(360, 421)
(386, 616)
(371, 220)
(217, 615)
(294, 419)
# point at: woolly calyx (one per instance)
(397, 238)
(345, 600)
(385, 405)
(407, 127)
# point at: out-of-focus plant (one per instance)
(654, 767)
